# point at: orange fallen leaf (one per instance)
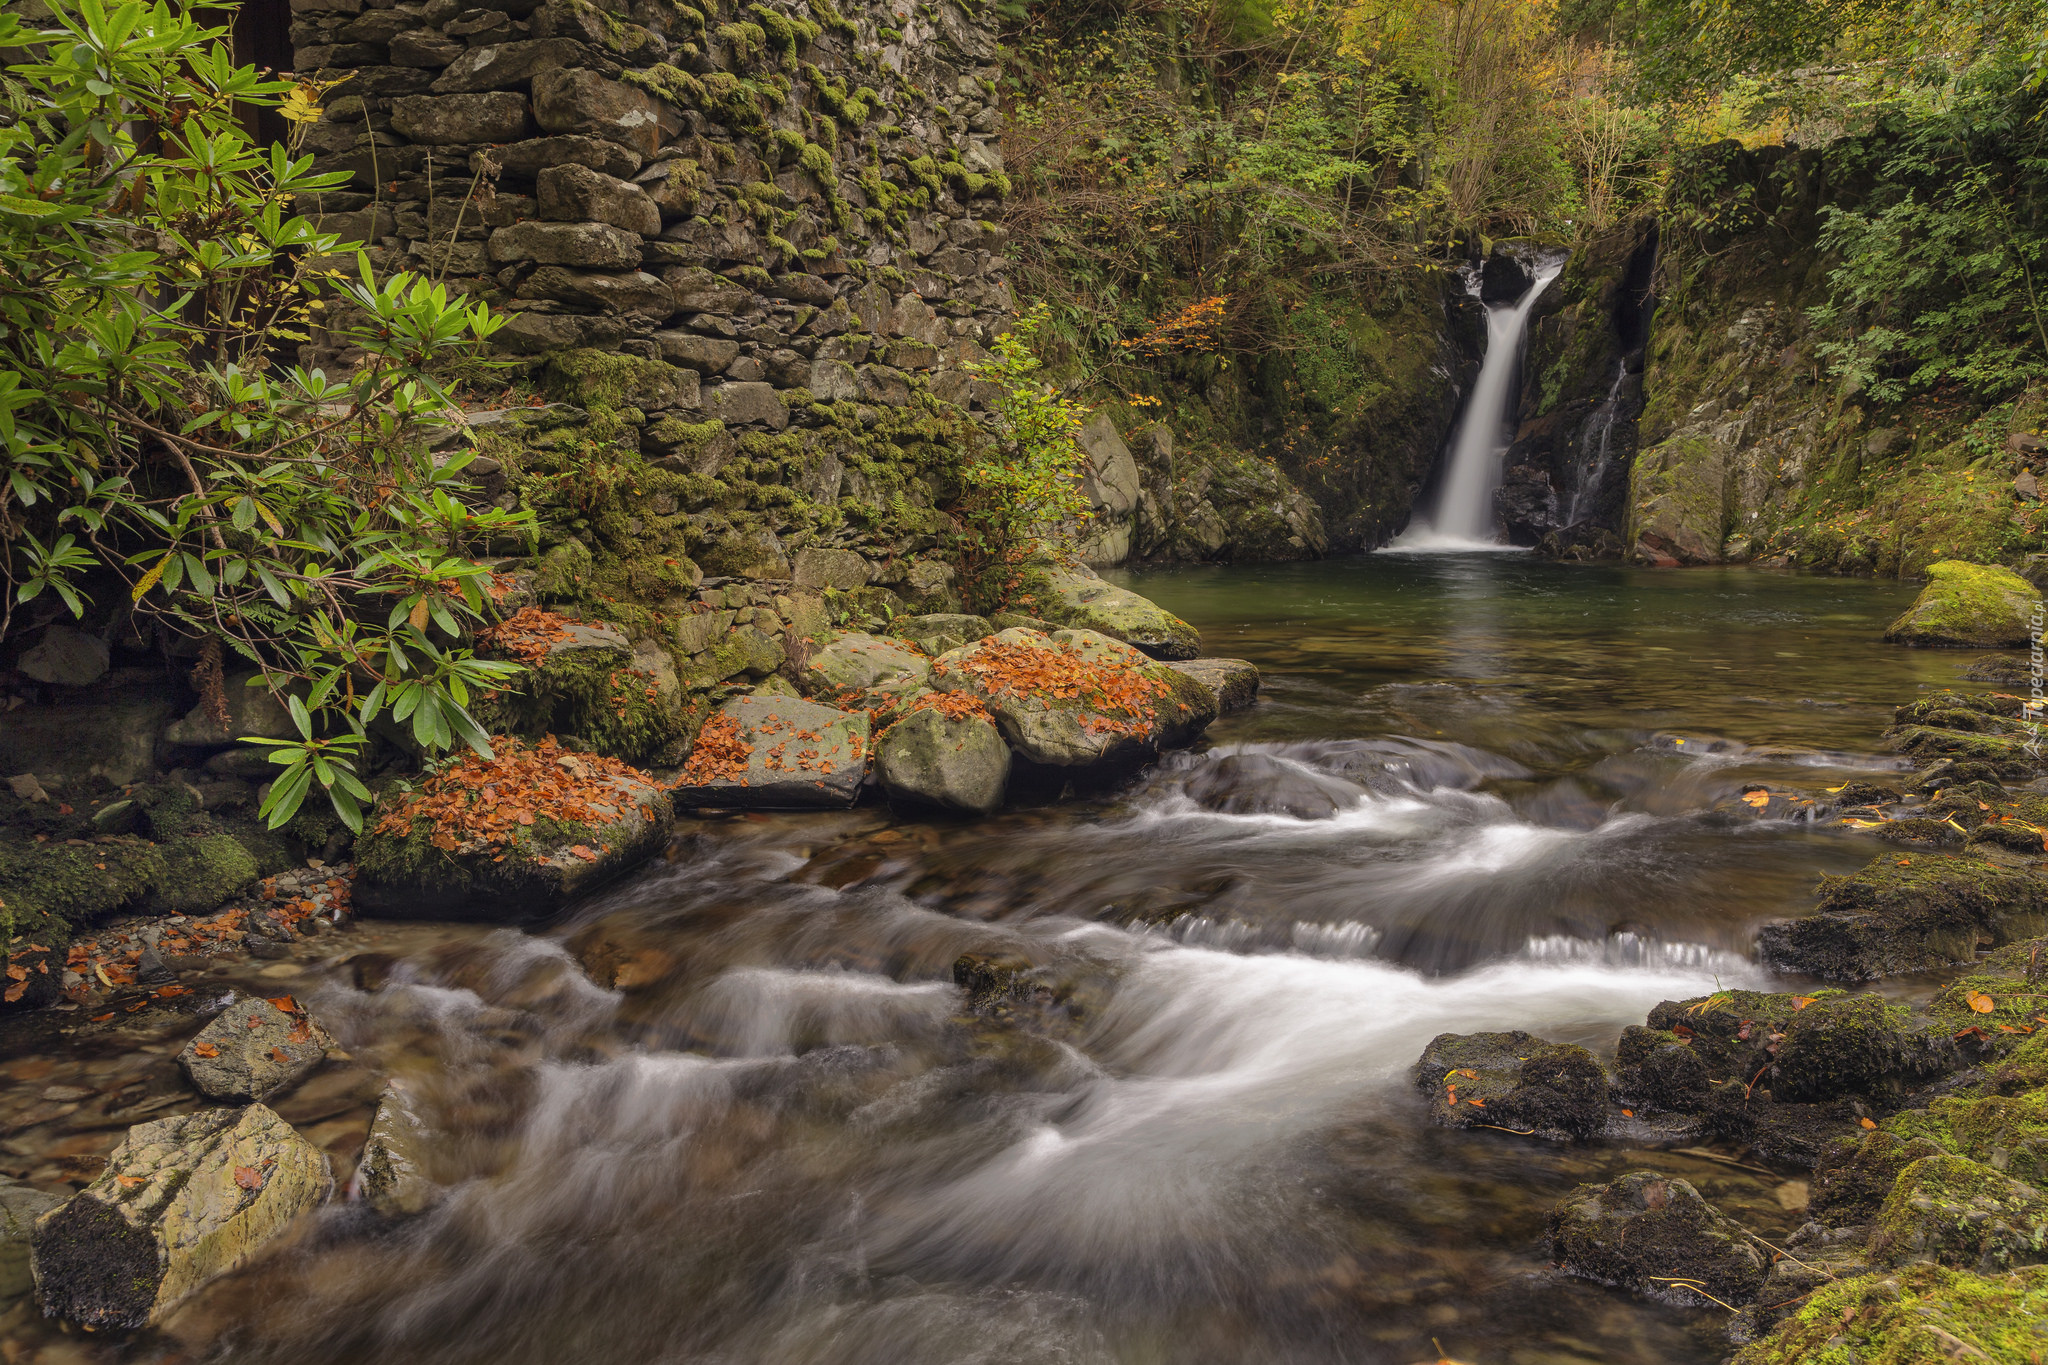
(1980, 1002)
(130, 1181)
(278, 1054)
(285, 1003)
(1800, 1002)
(248, 1177)
(205, 1050)
(1866, 1123)
(1757, 799)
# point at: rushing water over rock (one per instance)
(746, 1108)
(1462, 515)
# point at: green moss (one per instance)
(1968, 605)
(597, 695)
(1893, 1319)
(2008, 1133)
(833, 19)
(744, 38)
(563, 573)
(48, 889)
(1960, 1213)
(670, 83)
(199, 874)
(925, 172)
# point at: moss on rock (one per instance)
(1920, 1315)
(1961, 1213)
(199, 874)
(1969, 606)
(1905, 914)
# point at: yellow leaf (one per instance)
(1980, 1002)
(150, 579)
(418, 618)
(1757, 799)
(1800, 1002)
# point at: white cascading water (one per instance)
(1463, 517)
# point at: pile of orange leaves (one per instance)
(1120, 697)
(477, 804)
(720, 755)
(526, 635)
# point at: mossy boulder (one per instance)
(1969, 606)
(1656, 1069)
(778, 753)
(1857, 1045)
(593, 684)
(548, 827)
(1907, 914)
(953, 762)
(1855, 1175)
(1917, 1315)
(202, 873)
(182, 1201)
(1654, 1234)
(1515, 1081)
(49, 888)
(1961, 1213)
(2008, 1133)
(1081, 599)
(855, 667)
(1234, 683)
(1799, 1048)
(937, 632)
(1075, 698)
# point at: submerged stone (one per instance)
(20, 1206)
(182, 1201)
(1654, 1234)
(1253, 783)
(1514, 1081)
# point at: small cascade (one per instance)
(1593, 448)
(1463, 515)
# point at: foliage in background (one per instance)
(159, 452)
(1025, 488)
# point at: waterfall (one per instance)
(1463, 517)
(1593, 447)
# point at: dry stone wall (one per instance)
(774, 204)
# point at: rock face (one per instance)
(251, 711)
(1970, 606)
(182, 1200)
(1082, 600)
(777, 753)
(596, 820)
(1650, 1232)
(931, 758)
(1888, 919)
(1955, 1212)
(392, 1174)
(1515, 1081)
(1075, 699)
(1234, 683)
(20, 1206)
(253, 1050)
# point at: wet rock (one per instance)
(529, 871)
(251, 711)
(1654, 1234)
(1798, 1134)
(20, 1206)
(1811, 1263)
(1969, 606)
(1855, 1175)
(392, 1174)
(252, 1050)
(1233, 682)
(1908, 914)
(1076, 699)
(940, 632)
(1504, 277)
(64, 657)
(1080, 598)
(1956, 1212)
(182, 1201)
(1656, 1069)
(777, 753)
(1264, 784)
(1515, 1081)
(1799, 1048)
(853, 665)
(934, 759)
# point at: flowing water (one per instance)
(1461, 516)
(735, 1111)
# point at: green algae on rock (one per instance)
(1906, 914)
(1969, 606)
(182, 1201)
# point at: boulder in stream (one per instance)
(1514, 1081)
(1969, 606)
(776, 753)
(1254, 783)
(1233, 682)
(1654, 1234)
(392, 1174)
(182, 1200)
(517, 836)
(1074, 698)
(1957, 1212)
(20, 1206)
(1908, 914)
(253, 1049)
(1082, 599)
(958, 762)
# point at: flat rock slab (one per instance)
(182, 1201)
(848, 667)
(1084, 600)
(1233, 682)
(253, 1049)
(777, 753)
(1919, 913)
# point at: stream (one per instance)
(1479, 792)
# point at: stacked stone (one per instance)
(763, 199)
